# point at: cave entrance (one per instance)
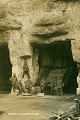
(5, 68)
(56, 60)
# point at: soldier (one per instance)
(53, 86)
(59, 86)
(21, 88)
(14, 81)
(42, 85)
(28, 86)
(25, 69)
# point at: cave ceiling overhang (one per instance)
(9, 24)
(48, 31)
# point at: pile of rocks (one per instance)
(72, 114)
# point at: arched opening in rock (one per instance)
(5, 68)
(56, 60)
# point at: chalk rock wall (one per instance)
(28, 23)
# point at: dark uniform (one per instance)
(59, 86)
(14, 81)
(42, 85)
(52, 87)
(28, 86)
(21, 88)
(25, 70)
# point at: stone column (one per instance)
(15, 66)
(14, 50)
(75, 45)
(78, 81)
(35, 63)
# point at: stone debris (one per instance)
(72, 114)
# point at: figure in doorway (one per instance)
(59, 86)
(53, 85)
(25, 69)
(42, 85)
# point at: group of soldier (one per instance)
(56, 86)
(17, 84)
(27, 88)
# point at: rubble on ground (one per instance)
(72, 114)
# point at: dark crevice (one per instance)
(5, 68)
(67, 0)
(49, 35)
(49, 24)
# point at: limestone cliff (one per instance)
(28, 23)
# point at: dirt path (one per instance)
(32, 107)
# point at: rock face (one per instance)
(29, 26)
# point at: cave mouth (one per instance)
(56, 60)
(5, 68)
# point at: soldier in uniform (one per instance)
(21, 88)
(14, 81)
(59, 86)
(25, 69)
(53, 86)
(42, 85)
(28, 86)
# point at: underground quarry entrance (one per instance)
(56, 60)
(5, 68)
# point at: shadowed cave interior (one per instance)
(5, 68)
(55, 60)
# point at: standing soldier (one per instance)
(21, 88)
(25, 69)
(14, 81)
(59, 86)
(28, 86)
(42, 85)
(52, 85)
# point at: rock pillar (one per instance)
(14, 50)
(76, 56)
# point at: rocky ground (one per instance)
(32, 107)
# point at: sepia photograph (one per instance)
(39, 59)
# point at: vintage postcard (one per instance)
(39, 59)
